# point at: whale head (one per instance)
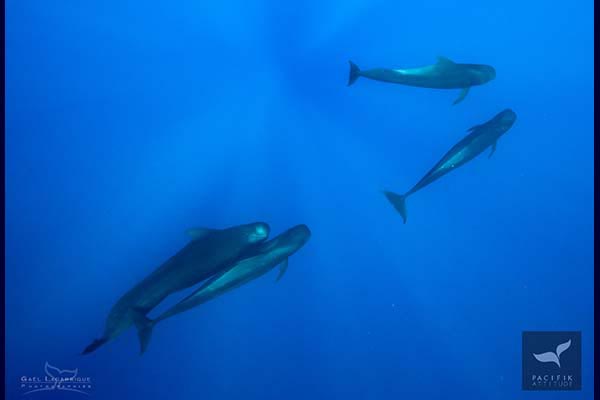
(483, 73)
(298, 235)
(290, 240)
(505, 119)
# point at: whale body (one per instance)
(481, 137)
(209, 251)
(445, 74)
(261, 260)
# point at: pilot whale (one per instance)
(209, 251)
(261, 260)
(445, 74)
(481, 137)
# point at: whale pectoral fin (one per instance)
(493, 150)
(282, 268)
(198, 233)
(462, 95)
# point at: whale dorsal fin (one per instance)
(198, 233)
(471, 129)
(445, 60)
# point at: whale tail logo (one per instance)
(551, 356)
(354, 73)
(57, 373)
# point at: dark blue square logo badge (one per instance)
(551, 360)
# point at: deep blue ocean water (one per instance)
(128, 122)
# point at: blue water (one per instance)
(129, 122)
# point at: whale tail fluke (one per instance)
(354, 73)
(144, 326)
(94, 345)
(398, 201)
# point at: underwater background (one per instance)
(128, 122)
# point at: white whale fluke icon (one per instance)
(54, 372)
(553, 357)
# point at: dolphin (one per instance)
(209, 251)
(262, 260)
(481, 137)
(445, 74)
